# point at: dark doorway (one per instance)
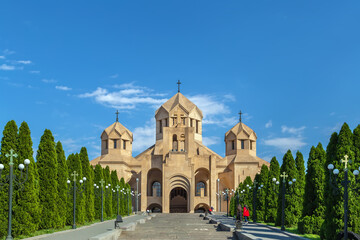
(178, 200)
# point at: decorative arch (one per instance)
(154, 207)
(202, 180)
(154, 175)
(201, 207)
(175, 143)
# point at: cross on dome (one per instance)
(117, 115)
(240, 113)
(178, 83)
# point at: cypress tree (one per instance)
(128, 196)
(262, 193)
(62, 177)
(47, 169)
(299, 184)
(98, 175)
(288, 166)
(8, 141)
(108, 198)
(248, 194)
(313, 207)
(271, 200)
(89, 185)
(123, 210)
(328, 228)
(114, 183)
(335, 205)
(27, 210)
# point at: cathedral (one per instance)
(179, 173)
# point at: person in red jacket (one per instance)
(246, 213)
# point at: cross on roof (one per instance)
(102, 182)
(346, 161)
(117, 115)
(74, 174)
(240, 113)
(284, 176)
(178, 83)
(11, 155)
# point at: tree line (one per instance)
(46, 199)
(311, 203)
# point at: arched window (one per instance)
(199, 186)
(156, 188)
(175, 143)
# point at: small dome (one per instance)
(119, 128)
(241, 127)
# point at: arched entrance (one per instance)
(178, 200)
(155, 208)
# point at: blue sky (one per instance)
(292, 67)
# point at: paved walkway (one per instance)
(257, 231)
(176, 226)
(84, 233)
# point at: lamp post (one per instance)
(74, 175)
(219, 196)
(136, 194)
(117, 197)
(284, 176)
(226, 193)
(255, 189)
(346, 183)
(19, 182)
(101, 195)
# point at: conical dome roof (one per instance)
(241, 127)
(179, 99)
(118, 127)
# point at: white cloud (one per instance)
(209, 105)
(292, 143)
(293, 130)
(268, 124)
(34, 72)
(229, 97)
(208, 141)
(63, 88)
(2, 57)
(128, 97)
(144, 137)
(114, 76)
(48, 80)
(8, 52)
(24, 62)
(6, 67)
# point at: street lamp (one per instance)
(226, 194)
(101, 195)
(219, 196)
(117, 197)
(19, 182)
(284, 176)
(136, 194)
(74, 175)
(346, 183)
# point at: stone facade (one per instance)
(178, 173)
